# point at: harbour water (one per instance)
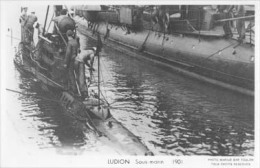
(171, 114)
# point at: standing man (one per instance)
(240, 24)
(71, 54)
(23, 20)
(226, 10)
(29, 26)
(23, 16)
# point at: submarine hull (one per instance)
(114, 133)
(223, 62)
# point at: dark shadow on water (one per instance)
(49, 116)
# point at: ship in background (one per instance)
(187, 38)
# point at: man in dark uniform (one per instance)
(71, 54)
(226, 11)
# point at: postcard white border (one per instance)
(20, 159)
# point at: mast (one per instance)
(46, 19)
(98, 81)
(98, 49)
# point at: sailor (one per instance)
(86, 57)
(23, 19)
(184, 9)
(32, 18)
(155, 15)
(23, 16)
(240, 24)
(160, 16)
(226, 11)
(71, 54)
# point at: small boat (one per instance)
(44, 61)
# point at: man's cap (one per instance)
(69, 33)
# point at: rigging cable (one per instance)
(107, 69)
(100, 90)
(211, 55)
(104, 96)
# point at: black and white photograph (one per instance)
(137, 84)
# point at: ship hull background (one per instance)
(203, 54)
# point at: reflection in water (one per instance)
(60, 131)
(170, 114)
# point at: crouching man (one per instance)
(86, 57)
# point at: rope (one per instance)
(76, 82)
(102, 76)
(105, 97)
(31, 52)
(37, 62)
(46, 70)
(211, 55)
(141, 48)
(106, 69)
